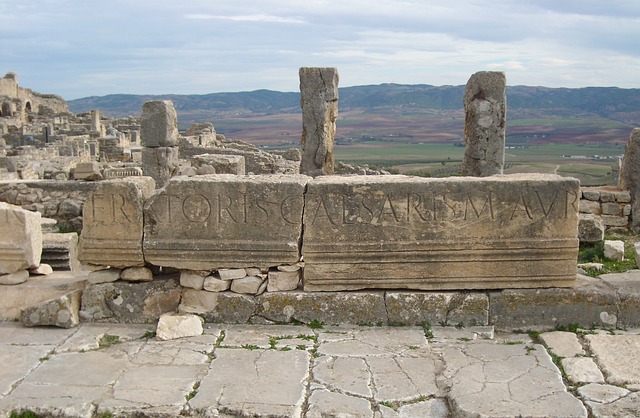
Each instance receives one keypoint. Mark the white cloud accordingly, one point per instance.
(247, 18)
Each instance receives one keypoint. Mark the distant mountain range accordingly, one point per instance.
(398, 112)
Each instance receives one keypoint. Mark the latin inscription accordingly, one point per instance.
(110, 209)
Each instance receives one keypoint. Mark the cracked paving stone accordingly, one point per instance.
(18, 361)
(187, 351)
(88, 336)
(370, 342)
(562, 343)
(345, 374)
(432, 408)
(403, 379)
(595, 392)
(323, 403)
(488, 380)
(628, 406)
(254, 383)
(261, 335)
(617, 356)
(581, 370)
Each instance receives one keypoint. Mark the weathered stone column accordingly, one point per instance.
(159, 137)
(630, 176)
(485, 106)
(319, 102)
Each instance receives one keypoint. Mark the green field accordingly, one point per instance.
(592, 164)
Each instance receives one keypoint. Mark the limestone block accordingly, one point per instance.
(222, 164)
(319, 102)
(159, 124)
(562, 343)
(623, 197)
(160, 163)
(225, 307)
(60, 251)
(230, 221)
(89, 171)
(615, 220)
(131, 303)
(355, 308)
(582, 370)
(589, 302)
(485, 123)
(402, 232)
(113, 223)
(192, 279)
(231, 274)
(627, 286)
(248, 285)
(590, 228)
(136, 274)
(60, 312)
(20, 240)
(103, 276)
(606, 196)
(449, 308)
(592, 195)
(14, 278)
(172, 326)
(279, 281)
(588, 206)
(614, 250)
(604, 394)
(611, 208)
(215, 284)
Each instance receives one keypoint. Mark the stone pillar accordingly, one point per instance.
(485, 106)
(96, 125)
(630, 176)
(159, 137)
(319, 102)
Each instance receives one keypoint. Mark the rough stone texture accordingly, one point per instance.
(89, 171)
(222, 164)
(113, 223)
(60, 251)
(614, 250)
(628, 406)
(590, 302)
(617, 356)
(192, 279)
(231, 222)
(172, 326)
(131, 303)
(136, 274)
(159, 124)
(581, 370)
(160, 164)
(587, 206)
(60, 312)
(215, 284)
(563, 344)
(14, 278)
(627, 287)
(487, 380)
(630, 176)
(434, 234)
(590, 228)
(596, 392)
(225, 307)
(319, 102)
(21, 239)
(103, 276)
(419, 308)
(360, 308)
(485, 105)
(231, 274)
(279, 281)
(249, 285)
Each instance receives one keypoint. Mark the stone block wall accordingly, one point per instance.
(609, 203)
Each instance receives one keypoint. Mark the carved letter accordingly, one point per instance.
(324, 206)
(488, 202)
(525, 208)
(547, 211)
(225, 208)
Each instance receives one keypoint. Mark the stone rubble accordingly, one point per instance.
(297, 371)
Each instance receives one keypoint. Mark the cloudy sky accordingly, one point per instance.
(79, 48)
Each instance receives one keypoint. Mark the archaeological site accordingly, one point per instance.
(130, 221)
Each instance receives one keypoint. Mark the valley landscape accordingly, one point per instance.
(417, 129)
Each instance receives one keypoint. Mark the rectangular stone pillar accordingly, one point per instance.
(159, 137)
(112, 223)
(319, 102)
(398, 232)
(20, 239)
(225, 221)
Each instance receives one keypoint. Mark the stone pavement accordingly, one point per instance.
(108, 370)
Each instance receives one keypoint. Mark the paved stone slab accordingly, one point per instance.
(595, 392)
(324, 403)
(617, 356)
(582, 370)
(336, 341)
(268, 336)
(563, 344)
(628, 406)
(432, 408)
(254, 383)
(488, 379)
(17, 362)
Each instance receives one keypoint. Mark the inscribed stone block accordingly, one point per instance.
(20, 240)
(113, 223)
(399, 232)
(225, 221)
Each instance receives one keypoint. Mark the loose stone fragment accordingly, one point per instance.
(172, 326)
(231, 274)
(103, 276)
(247, 285)
(20, 240)
(214, 284)
(41, 270)
(193, 279)
(485, 107)
(14, 278)
(60, 312)
(590, 228)
(614, 250)
(319, 102)
(279, 281)
(136, 274)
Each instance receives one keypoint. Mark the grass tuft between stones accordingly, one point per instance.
(23, 414)
(108, 340)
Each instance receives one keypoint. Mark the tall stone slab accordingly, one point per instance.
(225, 221)
(113, 223)
(319, 102)
(20, 239)
(159, 124)
(485, 106)
(398, 232)
(630, 176)
(160, 163)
